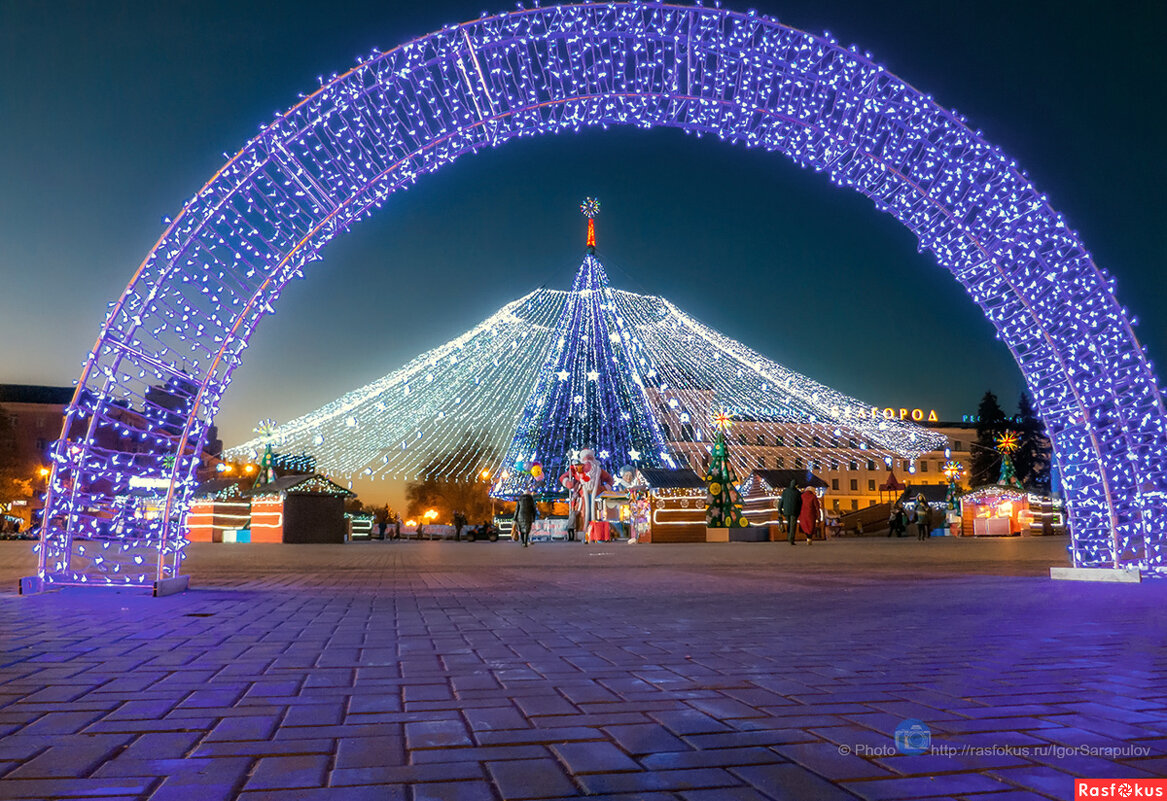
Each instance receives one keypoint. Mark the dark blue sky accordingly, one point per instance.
(114, 113)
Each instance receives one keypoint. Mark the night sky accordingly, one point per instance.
(113, 114)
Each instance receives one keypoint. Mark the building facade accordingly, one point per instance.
(34, 416)
(852, 468)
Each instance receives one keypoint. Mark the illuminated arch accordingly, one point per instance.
(154, 380)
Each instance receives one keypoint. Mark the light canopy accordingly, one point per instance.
(593, 367)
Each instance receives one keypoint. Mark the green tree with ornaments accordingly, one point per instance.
(723, 502)
(1007, 445)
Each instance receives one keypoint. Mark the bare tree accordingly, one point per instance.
(469, 495)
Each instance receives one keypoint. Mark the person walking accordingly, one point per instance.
(808, 514)
(459, 524)
(790, 506)
(897, 521)
(923, 519)
(525, 515)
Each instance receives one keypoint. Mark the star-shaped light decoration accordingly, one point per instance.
(1008, 442)
(953, 470)
(604, 454)
(634, 454)
(563, 375)
(723, 420)
(266, 429)
(593, 375)
(590, 207)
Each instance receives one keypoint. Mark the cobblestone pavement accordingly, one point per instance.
(443, 671)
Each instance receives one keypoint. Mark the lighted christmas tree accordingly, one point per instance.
(1007, 444)
(622, 373)
(266, 430)
(723, 502)
(590, 391)
(952, 471)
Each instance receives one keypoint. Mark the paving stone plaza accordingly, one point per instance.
(435, 671)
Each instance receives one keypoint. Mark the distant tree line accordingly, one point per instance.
(16, 475)
(434, 489)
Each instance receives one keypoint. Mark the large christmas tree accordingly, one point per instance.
(723, 502)
(591, 389)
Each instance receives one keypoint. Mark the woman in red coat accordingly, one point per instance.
(808, 514)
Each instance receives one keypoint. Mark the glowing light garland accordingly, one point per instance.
(557, 371)
(187, 315)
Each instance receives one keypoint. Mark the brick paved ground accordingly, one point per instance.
(442, 671)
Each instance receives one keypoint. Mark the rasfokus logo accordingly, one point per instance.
(1120, 788)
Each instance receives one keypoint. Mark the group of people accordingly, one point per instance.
(393, 522)
(919, 518)
(800, 510)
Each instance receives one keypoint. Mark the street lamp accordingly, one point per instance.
(486, 477)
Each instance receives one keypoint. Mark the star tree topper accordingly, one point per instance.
(723, 420)
(590, 208)
(1008, 442)
(266, 430)
(953, 470)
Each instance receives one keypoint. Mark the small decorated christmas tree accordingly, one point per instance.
(267, 432)
(952, 471)
(723, 502)
(1007, 444)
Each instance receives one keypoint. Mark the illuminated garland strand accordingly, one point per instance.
(187, 315)
(594, 367)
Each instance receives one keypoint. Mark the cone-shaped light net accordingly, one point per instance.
(629, 375)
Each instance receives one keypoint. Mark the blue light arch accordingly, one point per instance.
(154, 380)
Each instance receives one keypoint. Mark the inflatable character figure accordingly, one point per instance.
(637, 487)
(584, 480)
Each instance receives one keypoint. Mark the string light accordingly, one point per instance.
(559, 371)
(154, 380)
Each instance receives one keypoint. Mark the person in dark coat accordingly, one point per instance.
(459, 524)
(897, 523)
(525, 515)
(923, 523)
(790, 506)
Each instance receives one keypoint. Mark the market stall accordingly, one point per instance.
(999, 511)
